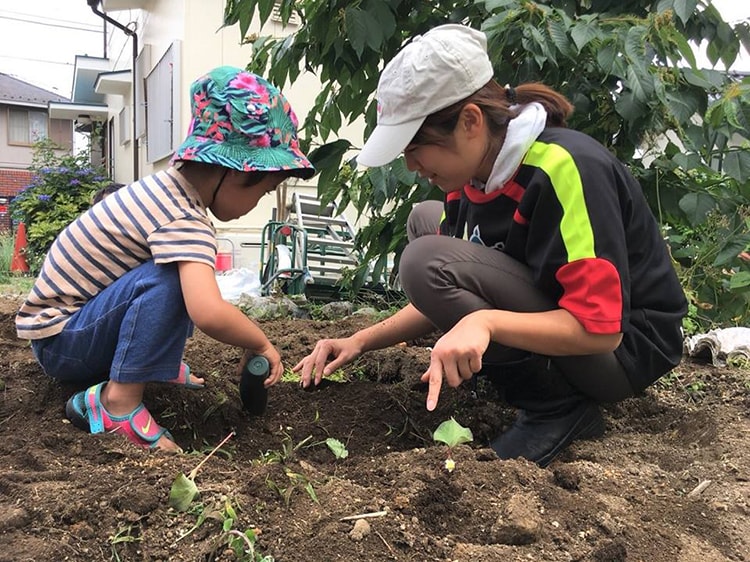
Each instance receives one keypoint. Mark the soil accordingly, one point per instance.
(669, 481)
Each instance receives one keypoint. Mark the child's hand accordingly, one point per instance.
(276, 368)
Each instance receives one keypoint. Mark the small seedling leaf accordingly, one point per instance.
(183, 493)
(452, 433)
(337, 447)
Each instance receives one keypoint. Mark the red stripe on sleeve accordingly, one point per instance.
(592, 293)
(519, 218)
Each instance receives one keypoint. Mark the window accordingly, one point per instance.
(123, 123)
(162, 105)
(142, 67)
(61, 133)
(110, 162)
(26, 126)
(276, 15)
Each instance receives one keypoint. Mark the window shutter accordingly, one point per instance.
(162, 110)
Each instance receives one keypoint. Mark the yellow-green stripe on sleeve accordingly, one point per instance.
(575, 226)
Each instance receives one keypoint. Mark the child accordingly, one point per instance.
(564, 294)
(123, 285)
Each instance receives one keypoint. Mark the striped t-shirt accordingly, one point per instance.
(160, 217)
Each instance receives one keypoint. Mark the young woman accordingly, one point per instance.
(563, 293)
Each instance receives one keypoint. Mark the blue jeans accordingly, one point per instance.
(134, 331)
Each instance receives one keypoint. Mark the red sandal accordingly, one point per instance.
(183, 379)
(85, 411)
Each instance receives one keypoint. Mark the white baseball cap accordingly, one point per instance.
(435, 70)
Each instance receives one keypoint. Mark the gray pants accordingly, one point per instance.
(447, 278)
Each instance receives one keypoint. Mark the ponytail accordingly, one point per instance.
(556, 105)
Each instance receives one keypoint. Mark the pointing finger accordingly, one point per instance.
(435, 377)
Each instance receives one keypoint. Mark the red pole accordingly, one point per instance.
(19, 259)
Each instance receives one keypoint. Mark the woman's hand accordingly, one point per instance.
(341, 351)
(457, 355)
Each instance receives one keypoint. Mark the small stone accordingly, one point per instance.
(360, 530)
(13, 518)
(520, 522)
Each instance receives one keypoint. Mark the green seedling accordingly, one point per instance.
(219, 399)
(337, 448)
(452, 433)
(290, 376)
(339, 375)
(297, 481)
(184, 490)
(242, 544)
(124, 535)
(288, 448)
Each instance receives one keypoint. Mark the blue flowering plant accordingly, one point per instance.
(60, 190)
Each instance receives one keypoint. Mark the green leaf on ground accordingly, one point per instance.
(452, 433)
(337, 447)
(183, 493)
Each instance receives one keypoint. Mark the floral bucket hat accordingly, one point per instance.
(243, 122)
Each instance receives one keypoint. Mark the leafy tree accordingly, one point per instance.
(60, 190)
(629, 69)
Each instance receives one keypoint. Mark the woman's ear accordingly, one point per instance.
(471, 120)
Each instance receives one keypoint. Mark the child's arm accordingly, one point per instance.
(221, 320)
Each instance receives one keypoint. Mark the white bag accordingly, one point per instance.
(237, 282)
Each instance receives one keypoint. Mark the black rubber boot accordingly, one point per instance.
(552, 414)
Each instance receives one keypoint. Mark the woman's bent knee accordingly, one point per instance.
(418, 263)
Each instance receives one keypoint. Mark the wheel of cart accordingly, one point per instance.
(282, 259)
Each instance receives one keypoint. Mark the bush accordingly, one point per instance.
(6, 255)
(61, 189)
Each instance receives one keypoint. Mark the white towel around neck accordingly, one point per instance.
(522, 131)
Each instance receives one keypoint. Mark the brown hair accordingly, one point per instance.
(495, 101)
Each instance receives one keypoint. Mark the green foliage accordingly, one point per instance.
(295, 482)
(18, 285)
(182, 493)
(7, 247)
(627, 66)
(184, 490)
(287, 451)
(706, 216)
(241, 543)
(452, 433)
(690, 384)
(338, 449)
(125, 535)
(60, 190)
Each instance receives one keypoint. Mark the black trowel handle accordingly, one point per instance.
(253, 394)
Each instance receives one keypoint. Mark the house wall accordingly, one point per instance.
(17, 156)
(12, 156)
(11, 182)
(204, 44)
